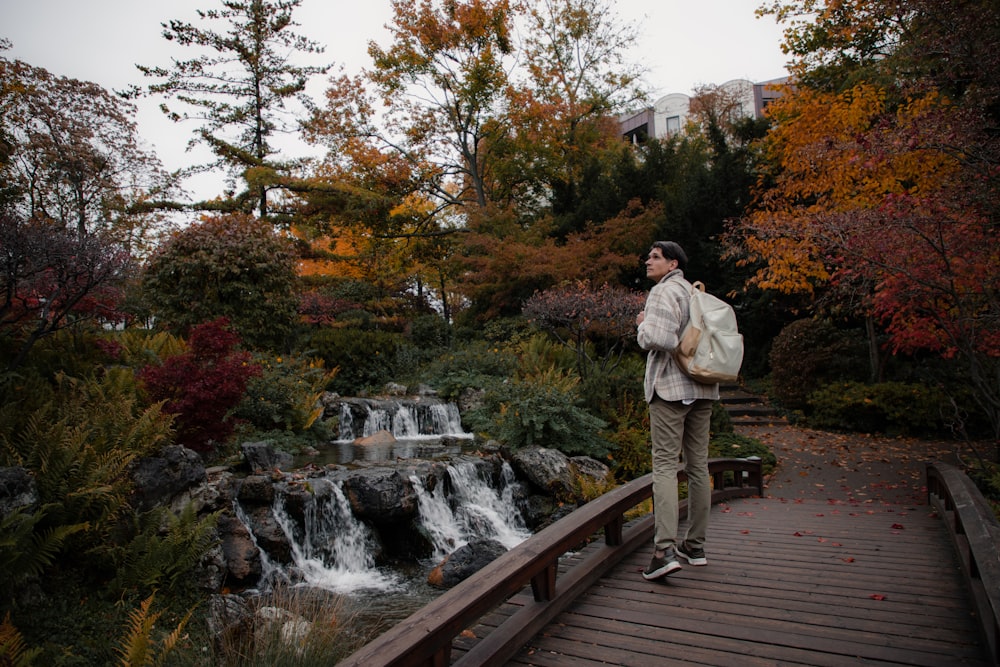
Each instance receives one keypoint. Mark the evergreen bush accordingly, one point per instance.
(895, 408)
(285, 395)
(811, 352)
(364, 360)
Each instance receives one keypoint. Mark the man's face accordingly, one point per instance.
(657, 265)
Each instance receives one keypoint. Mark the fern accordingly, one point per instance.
(26, 550)
(138, 648)
(13, 650)
(164, 549)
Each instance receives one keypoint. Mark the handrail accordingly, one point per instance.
(975, 533)
(425, 637)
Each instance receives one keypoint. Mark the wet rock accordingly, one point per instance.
(536, 510)
(262, 457)
(214, 494)
(464, 562)
(380, 495)
(591, 467)
(395, 389)
(270, 536)
(158, 479)
(18, 490)
(546, 469)
(210, 574)
(229, 620)
(256, 490)
(382, 437)
(243, 566)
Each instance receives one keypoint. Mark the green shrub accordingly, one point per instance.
(721, 421)
(632, 454)
(543, 411)
(475, 365)
(733, 446)
(229, 266)
(811, 352)
(285, 396)
(896, 408)
(364, 359)
(430, 332)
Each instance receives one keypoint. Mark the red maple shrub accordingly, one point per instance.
(203, 384)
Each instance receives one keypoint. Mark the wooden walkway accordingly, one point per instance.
(788, 583)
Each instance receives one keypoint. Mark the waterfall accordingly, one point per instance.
(479, 510)
(332, 549)
(335, 550)
(405, 419)
(486, 512)
(438, 520)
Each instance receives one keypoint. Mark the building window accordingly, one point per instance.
(673, 125)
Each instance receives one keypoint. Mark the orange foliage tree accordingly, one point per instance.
(883, 179)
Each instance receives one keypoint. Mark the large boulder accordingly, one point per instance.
(229, 620)
(464, 562)
(547, 469)
(158, 479)
(380, 495)
(263, 457)
(242, 556)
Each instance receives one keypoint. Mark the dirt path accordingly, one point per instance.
(850, 468)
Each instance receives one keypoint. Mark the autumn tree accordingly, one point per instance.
(242, 91)
(229, 265)
(420, 119)
(72, 155)
(883, 177)
(563, 108)
(52, 278)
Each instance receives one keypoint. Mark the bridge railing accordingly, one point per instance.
(425, 637)
(975, 533)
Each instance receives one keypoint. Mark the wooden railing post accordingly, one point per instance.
(543, 584)
(613, 531)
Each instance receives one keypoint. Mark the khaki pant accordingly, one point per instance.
(678, 429)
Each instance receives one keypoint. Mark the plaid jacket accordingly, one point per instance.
(666, 315)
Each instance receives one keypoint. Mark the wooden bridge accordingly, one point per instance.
(795, 582)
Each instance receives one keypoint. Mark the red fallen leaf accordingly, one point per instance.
(877, 596)
(744, 532)
(838, 544)
(897, 526)
(822, 539)
(819, 515)
(797, 534)
(848, 559)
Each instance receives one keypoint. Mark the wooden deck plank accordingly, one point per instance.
(788, 583)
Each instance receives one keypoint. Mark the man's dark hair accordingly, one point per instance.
(672, 250)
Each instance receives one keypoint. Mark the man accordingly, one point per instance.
(680, 412)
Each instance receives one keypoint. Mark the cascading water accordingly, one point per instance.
(409, 420)
(333, 550)
(419, 428)
(476, 510)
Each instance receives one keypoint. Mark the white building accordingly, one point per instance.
(669, 114)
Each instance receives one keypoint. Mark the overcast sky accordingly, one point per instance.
(683, 43)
